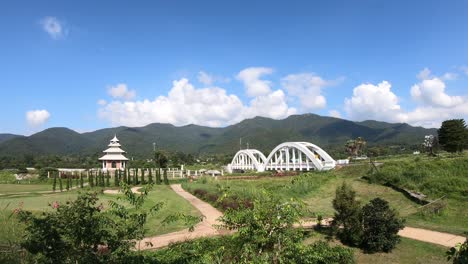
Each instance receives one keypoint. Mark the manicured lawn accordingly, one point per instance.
(408, 251)
(11, 230)
(18, 188)
(173, 204)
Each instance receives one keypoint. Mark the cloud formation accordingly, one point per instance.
(378, 102)
(255, 86)
(375, 102)
(37, 117)
(307, 87)
(431, 92)
(121, 91)
(186, 104)
(53, 27)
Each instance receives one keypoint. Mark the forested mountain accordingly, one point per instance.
(259, 132)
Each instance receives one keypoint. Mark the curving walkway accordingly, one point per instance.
(206, 227)
(202, 229)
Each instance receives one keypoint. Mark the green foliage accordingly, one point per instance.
(380, 227)
(459, 253)
(432, 176)
(44, 172)
(161, 159)
(60, 183)
(453, 135)
(309, 182)
(225, 250)
(158, 176)
(150, 175)
(54, 184)
(81, 180)
(265, 230)
(166, 180)
(107, 179)
(80, 231)
(348, 215)
(7, 176)
(265, 234)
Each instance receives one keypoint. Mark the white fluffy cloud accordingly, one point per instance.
(251, 79)
(186, 104)
(37, 117)
(376, 102)
(432, 92)
(307, 87)
(53, 27)
(121, 91)
(271, 105)
(101, 102)
(380, 103)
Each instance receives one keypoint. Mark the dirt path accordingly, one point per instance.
(134, 190)
(211, 214)
(202, 229)
(444, 239)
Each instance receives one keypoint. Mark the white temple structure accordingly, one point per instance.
(114, 158)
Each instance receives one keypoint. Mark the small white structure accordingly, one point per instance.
(342, 162)
(114, 158)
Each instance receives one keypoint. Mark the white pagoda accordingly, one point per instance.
(114, 158)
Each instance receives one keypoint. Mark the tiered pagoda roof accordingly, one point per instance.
(114, 152)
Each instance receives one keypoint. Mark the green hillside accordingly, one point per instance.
(261, 133)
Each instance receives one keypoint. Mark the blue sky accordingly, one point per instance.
(93, 64)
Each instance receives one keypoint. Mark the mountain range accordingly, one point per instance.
(260, 133)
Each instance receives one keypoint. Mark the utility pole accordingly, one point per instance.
(240, 143)
(247, 145)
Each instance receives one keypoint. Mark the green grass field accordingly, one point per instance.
(19, 188)
(408, 251)
(11, 230)
(317, 190)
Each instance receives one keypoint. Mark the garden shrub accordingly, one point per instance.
(380, 227)
(347, 215)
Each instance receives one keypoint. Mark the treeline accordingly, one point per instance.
(175, 159)
(92, 178)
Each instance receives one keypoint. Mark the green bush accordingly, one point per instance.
(348, 215)
(380, 227)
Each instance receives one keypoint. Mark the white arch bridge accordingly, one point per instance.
(287, 156)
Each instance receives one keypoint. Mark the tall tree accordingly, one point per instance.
(453, 135)
(348, 215)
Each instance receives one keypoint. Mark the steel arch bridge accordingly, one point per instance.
(288, 156)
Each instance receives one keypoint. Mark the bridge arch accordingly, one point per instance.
(299, 156)
(248, 159)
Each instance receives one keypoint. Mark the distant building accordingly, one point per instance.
(114, 158)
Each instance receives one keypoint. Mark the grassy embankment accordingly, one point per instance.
(432, 176)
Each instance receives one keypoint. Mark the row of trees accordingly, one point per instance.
(133, 176)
